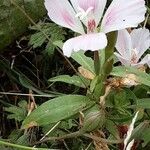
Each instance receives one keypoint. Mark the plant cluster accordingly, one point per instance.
(104, 101)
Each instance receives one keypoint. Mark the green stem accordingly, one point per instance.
(96, 62)
(109, 52)
(107, 65)
(21, 146)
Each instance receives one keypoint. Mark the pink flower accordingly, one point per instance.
(132, 46)
(80, 14)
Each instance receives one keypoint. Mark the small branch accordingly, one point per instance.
(50, 130)
(96, 62)
(146, 21)
(21, 146)
(71, 135)
(77, 134)
(22, 94)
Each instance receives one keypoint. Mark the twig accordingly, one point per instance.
(89, 146)
(50, 130)
(22, 94)
(21, 146)
(77, 134)
(71, 135)
(146, 19)
(66, 146)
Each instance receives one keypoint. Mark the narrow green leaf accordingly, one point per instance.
(57, 109)
(30, 85)
(138, 131)
(83, 60)
(143, 103)
(75, 80)
(37, 39)
(58, 43)
(121, 119)
(145, 136)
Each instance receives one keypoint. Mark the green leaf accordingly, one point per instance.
(93, 120)
(75, 80)
(120, 119)
(120, 99)
(37, 39)
(123, 71)
(112, 128)
(145, 136)
(13, 22)
(57, 109)
(138, 131)
(17, 113)
(53, 32)
(58, 43)
(30, 85)
(50, 48)
(83, 60)
(15, 134)
(143, 103)
(24, 139)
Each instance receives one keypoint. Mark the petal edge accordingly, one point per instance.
(93, 42)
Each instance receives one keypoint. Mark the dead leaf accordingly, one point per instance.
(86, 73)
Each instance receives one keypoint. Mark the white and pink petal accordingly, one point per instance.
(122, 14)
(140, 40)
(124, 61)
(92, 42)
(145, 60)
(62, 13)
(124, 44)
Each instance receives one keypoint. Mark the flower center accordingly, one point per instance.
(82, 13)
(134, 56)
(91, 25)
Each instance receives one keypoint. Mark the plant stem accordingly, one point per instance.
(21, 146)
(106, 68)
(96, 62)
(109, 52)
(71, 135)
(77, 134)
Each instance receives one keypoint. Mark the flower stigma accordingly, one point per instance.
(82, 14)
